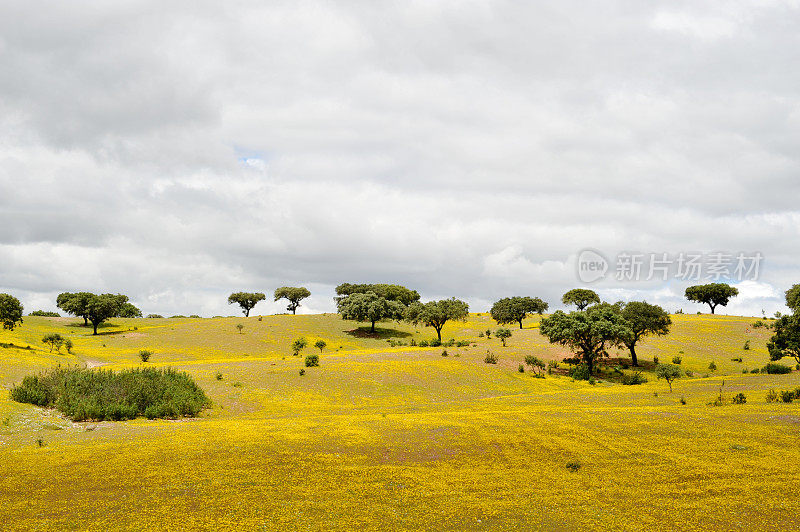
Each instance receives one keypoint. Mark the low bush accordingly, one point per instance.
(435, 343)
(787, 396)
(773, 368)
(444, 352)
(677, 360)
(157, 316)
(579, 373)
(746, 345)
(521, 368)
(755, 370)
(772, 396)
(312, 360)
(573, 465)
(45, 314)
(423, 343)
(712, 366)
(145, 355)
(739, 399)
(736, 359)
(83, 394)
(633, 379)
(490, 358)
(462, 343)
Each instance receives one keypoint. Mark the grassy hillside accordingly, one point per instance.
(383, 437)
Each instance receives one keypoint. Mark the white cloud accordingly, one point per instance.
(180, 151)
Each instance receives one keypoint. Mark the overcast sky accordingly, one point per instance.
(179, 151)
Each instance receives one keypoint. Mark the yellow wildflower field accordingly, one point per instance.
(383, 437)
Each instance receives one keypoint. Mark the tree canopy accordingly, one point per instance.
(389, 292)
(712, 294)
(515, 309)
(246, 300)
(793, 298)
(436, 313)
(129, 310)
(75, 304)
(293, 294)
(580, 297)
(588, 333)
(10, 311)
(644, 319)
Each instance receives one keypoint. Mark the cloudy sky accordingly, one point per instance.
(179, 151)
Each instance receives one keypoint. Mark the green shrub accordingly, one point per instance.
(774, 368)
(633, 379)
(158, 316)
(298, 345)
(677, 360)
(772, 396)
(655, 360)
(712, 366)
(521, 368)
(312, 360)
(579, 373)
(145, 355)
(755, 370)
(573, 465)
(218, 376)
(435, 343)
(54, 340)
(746, 345)
(736, 359)
(739, 399)
(444, 352)
(423, 343)
(302, 371)
(683, 400)
(787, 396)
(83, 394)
(44, 314)
(462, 343)
(490, 358)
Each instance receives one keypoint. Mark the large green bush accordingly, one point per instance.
(84, 394)
(776, 368)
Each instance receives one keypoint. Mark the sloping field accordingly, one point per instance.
(402, 438)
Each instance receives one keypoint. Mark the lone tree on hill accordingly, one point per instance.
(100, 308)
(10, 311)
(515, 309)
(293, 294)
(246, 300)
(320, 344)
(644, 319)
(669, 373)
(580, 297)
(436, 313)
(373, 302)
(589, 333)
(503, 334)
(75, 304)
(712, 294)
(54, 340)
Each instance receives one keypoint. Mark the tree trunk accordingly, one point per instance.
(373, 326)
(95, 327)
(634, 360)
(85, 321)
(247, 313)
(294, 310)
(590, 365)
(520, 324)
(712, 308)
(439, 332)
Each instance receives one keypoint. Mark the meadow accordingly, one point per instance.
(402, 438)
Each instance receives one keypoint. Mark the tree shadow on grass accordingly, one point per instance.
(15, 346)
(379, 334)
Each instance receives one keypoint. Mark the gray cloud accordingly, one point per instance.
(177, 152)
